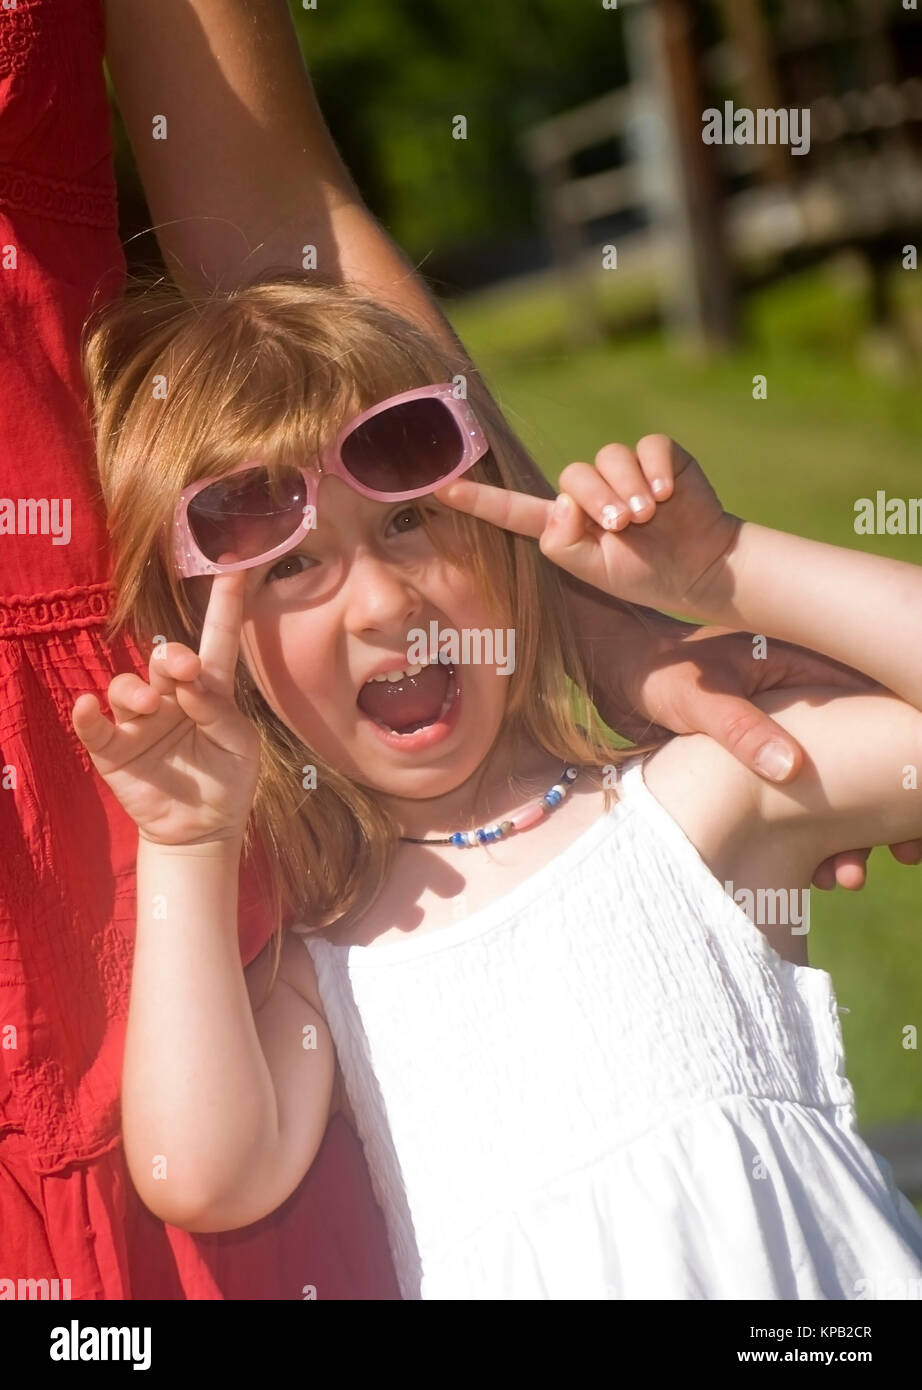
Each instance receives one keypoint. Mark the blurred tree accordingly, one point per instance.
(391, 78)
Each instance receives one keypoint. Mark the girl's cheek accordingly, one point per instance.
(285, 668)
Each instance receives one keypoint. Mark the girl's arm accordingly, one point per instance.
(864, 610)
(223, 1108)
(225, 1097)
(863, 770)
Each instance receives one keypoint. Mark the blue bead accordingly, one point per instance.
(553, 798)
(457, 838)
(481, 836)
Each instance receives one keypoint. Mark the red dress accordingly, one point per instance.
(67, 851)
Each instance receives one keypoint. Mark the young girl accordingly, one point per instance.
(581, 1067)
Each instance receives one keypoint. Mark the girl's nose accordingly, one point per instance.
(380, 595)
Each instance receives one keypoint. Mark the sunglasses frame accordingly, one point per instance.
(189, 559)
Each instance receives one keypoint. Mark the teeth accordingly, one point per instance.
(398, 675)
(446, 706)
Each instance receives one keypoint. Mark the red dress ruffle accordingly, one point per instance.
(68, 1210)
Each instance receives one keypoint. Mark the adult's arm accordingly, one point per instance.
(248, 173)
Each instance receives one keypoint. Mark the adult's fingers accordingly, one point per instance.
(514, 511)
(745, 731)
(907, 851)
(787, 664)
(847, 869)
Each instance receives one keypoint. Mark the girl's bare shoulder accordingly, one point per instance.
(710, 795)
(854, 789)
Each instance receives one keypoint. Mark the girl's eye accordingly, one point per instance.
(409, 518)
(289, 567)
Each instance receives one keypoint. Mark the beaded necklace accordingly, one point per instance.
(530, 814)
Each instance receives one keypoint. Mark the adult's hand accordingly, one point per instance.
(688, 679)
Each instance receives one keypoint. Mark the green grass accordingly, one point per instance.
(830, 431)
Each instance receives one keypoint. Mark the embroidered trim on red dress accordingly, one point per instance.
(22, 27)
(87, 605)
(24, 191)
(32, 37)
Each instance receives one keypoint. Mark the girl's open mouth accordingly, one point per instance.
(415, 711)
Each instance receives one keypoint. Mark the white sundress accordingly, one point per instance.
(607, 1084)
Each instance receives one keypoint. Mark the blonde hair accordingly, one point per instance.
(183, 389)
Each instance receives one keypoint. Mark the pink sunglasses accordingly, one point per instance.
(403, 447)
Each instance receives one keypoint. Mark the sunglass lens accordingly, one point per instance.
(408, 446)
(248, 513)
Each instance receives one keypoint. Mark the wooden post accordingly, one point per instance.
(567, 245)
(689, 199)
(748, 32)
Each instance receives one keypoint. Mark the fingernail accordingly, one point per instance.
(658, 486)
(637, 504)
(561, 508)
(610, 515)
(774, 760)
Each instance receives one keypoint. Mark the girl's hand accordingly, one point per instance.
(181, 757)
(610, 528)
